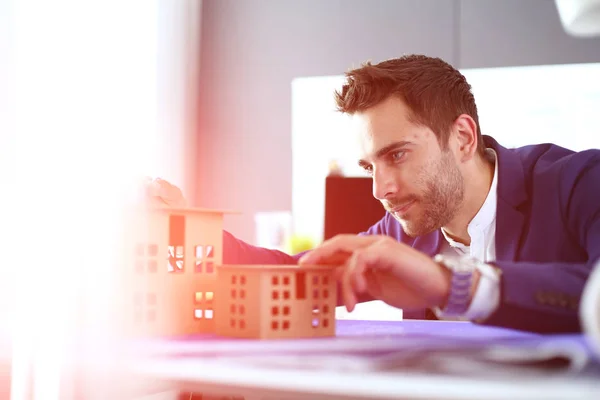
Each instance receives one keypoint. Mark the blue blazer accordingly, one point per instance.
(547, 235)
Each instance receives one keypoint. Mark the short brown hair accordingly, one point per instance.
(434, 91)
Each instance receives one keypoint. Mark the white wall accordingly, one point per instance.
(539, 104)
(319, 135)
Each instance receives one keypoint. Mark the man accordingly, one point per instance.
(473, 230)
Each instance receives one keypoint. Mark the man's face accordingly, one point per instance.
(416, 181)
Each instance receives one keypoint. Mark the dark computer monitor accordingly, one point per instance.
(349, 205)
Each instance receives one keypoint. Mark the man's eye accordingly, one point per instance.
(368, 169)
(397, 155)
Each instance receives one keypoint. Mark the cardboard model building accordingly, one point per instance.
(175, 284)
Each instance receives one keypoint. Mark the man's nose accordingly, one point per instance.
(384, 184)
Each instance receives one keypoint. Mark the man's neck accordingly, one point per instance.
(476, 191)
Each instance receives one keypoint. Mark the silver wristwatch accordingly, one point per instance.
(460, 288)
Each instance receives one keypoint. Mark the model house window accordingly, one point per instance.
(144, 308)
(176, 250)
(319, 296)
(315, 316)
(175, 259)
(281, 289)
(237, 298)
(205, 261)
(204, 305)
(146, 258)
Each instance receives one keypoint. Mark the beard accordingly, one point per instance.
(438, 204)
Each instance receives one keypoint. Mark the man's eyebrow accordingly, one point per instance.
(384, 150)
(390, 147)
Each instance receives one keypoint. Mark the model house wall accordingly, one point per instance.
(169, 284)
(278, 301)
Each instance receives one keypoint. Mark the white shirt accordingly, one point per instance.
(482, 230)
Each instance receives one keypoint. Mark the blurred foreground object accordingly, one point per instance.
(580, 17)
(335, 169)
(590, 310)
(299, 243)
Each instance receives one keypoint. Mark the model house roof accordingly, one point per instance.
(172, 210)
(278, 268)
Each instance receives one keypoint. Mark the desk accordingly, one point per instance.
(371, 359)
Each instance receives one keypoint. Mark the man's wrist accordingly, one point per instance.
(483, 297)
(463, 280)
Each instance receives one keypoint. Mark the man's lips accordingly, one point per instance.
(402, 208)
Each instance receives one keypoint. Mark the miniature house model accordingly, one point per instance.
(175, 284)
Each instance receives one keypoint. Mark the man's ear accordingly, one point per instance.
(464, 133)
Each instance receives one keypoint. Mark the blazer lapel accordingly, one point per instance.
(511, 194)
(509, 227)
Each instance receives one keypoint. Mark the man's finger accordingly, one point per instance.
(339, 273)
(335, 258)
(353, 281)
(163, 192)
(360, 269)
(336, 249)
(347, 290)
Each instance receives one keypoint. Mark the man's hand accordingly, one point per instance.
(385, 269)
(159, 192)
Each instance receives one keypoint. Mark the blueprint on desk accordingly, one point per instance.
(447, 348)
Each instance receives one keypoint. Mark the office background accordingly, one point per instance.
(252, 50)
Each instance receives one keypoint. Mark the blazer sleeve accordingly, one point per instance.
(236, 251)
(553, 306)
